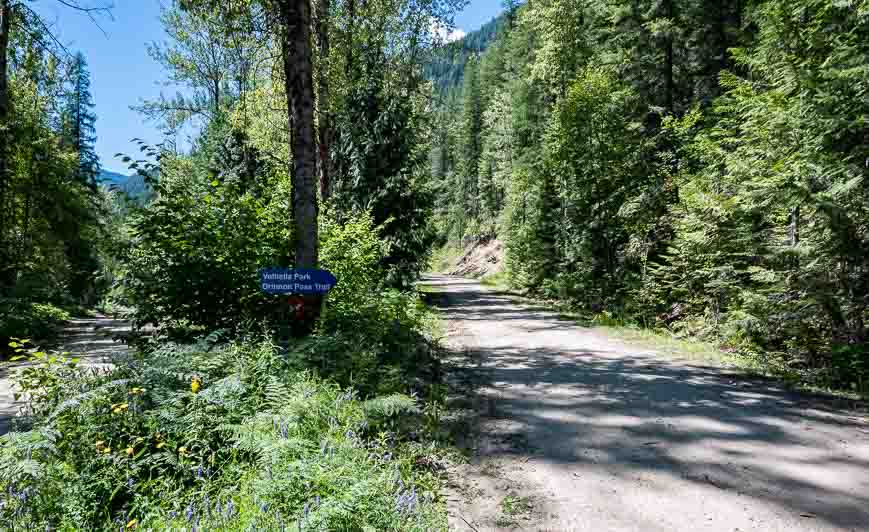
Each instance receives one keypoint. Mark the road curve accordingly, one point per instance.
(90, 339)
(601, 435)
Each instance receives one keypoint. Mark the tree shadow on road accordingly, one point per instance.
(626, 413)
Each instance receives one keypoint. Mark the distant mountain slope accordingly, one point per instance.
(133, 185)
(108, 177)
(447, 64)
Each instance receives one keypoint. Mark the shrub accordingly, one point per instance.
(370, 338)
(216, 436)
(19, 319)
(197, 248)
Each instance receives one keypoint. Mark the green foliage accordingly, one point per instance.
(222, 436)
(371, 338)
(79, 123)
(579, 226)
(768, 245)
(19, 319)
(45, 380)
(446, 66)
(193, 267)
(377, 164)
(49, 206)
(708, 180)
(196, 249)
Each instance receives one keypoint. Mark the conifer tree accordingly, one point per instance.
(80, 123)
(472, 124)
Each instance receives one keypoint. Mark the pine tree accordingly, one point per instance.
(470, 149)
(80, 123)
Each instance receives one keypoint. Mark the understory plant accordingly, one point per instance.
(218, 437)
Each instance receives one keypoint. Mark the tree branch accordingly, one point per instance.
(91, 11)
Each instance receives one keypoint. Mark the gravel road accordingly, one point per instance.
(582, 432)
(90, 339)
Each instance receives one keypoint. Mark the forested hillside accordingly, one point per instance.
(695, 166)
(446, 67)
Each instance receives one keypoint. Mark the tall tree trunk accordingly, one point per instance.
(298, 74)
(5, 14)
(324, 119)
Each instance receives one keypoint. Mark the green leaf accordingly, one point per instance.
(215, 183)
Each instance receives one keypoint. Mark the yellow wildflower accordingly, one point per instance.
(130, 451)
(161, 444)
(120, 407)
(132, 524)
(182, 451)
(195, 385)
(137, 391)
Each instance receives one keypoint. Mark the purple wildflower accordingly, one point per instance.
(190, 511)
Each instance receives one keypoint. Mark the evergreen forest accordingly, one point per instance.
(695, 169)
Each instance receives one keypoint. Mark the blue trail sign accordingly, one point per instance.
(299, 281)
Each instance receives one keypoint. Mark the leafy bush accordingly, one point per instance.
(370, 338)
(214, 436)
(197, 247)
(20, 319)
(195, 264)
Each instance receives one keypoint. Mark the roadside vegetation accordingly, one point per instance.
(234, 410)
(694, 168)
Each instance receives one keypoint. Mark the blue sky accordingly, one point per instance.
(122, 73)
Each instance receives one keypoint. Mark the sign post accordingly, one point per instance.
(305, 288)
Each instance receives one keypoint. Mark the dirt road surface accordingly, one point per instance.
(578, 431)
(90, 339)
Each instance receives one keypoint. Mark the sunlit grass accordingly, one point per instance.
(496, 280)
(444, 259)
